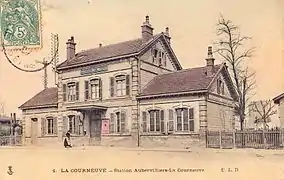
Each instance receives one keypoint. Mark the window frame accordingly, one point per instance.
(185, 119)
(73, 124)
(71, 96)
(96, 83)
(122, 79)
(119, 122)
(220, 87)
(48, 119)
(155, 117)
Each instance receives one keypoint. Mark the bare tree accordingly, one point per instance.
(231, 47)
(264, 110)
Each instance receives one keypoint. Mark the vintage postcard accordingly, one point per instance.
(108, 89)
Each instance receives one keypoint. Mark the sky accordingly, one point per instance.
(192, 27)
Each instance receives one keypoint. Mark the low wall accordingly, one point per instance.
(172, 141)
(146, 141)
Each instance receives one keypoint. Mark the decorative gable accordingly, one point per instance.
(221, 85)
(157, 54)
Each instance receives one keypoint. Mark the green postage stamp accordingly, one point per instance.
(21, 24)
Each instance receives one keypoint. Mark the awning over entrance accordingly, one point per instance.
(85, 107)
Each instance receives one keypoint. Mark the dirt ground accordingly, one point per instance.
(91, 163)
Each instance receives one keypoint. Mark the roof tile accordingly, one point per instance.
(46, 97)
(108, 51)
(186, 80)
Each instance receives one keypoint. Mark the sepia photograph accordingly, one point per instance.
(124, 89)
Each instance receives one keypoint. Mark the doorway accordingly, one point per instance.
(34, 131)
(95, 127)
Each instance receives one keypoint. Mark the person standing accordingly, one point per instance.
(67, 141)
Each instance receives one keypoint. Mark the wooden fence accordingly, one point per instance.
(272, 139)
(10, 140)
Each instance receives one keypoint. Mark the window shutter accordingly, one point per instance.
(158, 121)
(191, 119)
(191, 125)
(111, 86)
(77, 90)
(111, 126)
(127, 85)
(190, 113)
(144, 121)
(86, 89)
(65, 125)
(100, 89)
(64, 88)
(122, 122)
(171, 121)
(55, 125)
(43, 126)
(77, 125)
(162, 121)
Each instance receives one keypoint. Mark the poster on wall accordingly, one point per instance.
(105, 126)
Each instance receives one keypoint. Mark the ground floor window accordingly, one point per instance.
(153, 121)
(179, 120)
(184, 119)
(117, 122)
(49, 125)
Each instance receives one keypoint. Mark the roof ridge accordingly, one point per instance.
(188, 69)
(104, 46)
(117, 43)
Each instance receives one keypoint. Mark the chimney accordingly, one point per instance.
(147, 30)
(71, 48)
(210, 62)
(167, 34)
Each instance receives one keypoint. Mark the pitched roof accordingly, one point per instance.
(108, 51)
(278, 98)
(47, 97)
(193, 79)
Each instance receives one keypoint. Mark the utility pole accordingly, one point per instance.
(45, 63)
(54, 55)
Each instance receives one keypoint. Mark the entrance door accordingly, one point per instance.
(34, 131)
(95, 128)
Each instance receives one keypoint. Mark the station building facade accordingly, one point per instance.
(131, 93)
